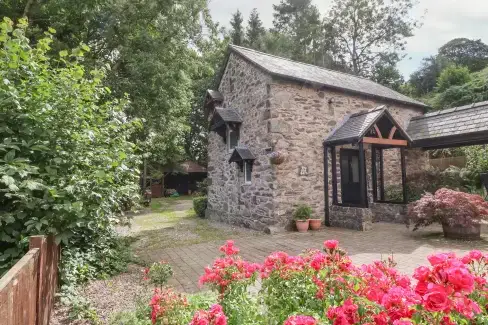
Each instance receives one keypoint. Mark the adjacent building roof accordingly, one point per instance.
(241, 153)
(228, 115)
(354, 127)
(215, 95)
(452, 127)
(289, 69)
(185, 167)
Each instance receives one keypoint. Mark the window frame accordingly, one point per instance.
(229, 130)
(247, 163)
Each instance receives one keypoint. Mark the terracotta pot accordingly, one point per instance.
(302, 225)
(457, 232)
(315, 224)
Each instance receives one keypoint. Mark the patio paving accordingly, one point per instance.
(410, 249)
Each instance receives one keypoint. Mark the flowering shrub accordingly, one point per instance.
(449, 207)
(324, 287)
(158, 273)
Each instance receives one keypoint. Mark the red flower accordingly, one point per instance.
(300, 320)
(461, 279)
(436, 298)
(214, 316)
(421, 273)
(331, 244)
(402, 322)
(229, 249)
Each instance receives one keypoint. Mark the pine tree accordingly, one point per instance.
(255, 31)
(237, 33)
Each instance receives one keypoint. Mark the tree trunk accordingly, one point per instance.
(27, 8)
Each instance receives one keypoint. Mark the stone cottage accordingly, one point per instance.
(272, 122)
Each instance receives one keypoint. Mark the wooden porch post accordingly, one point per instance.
(404, 175)
(382, 176)
(374, 174)
(326, 186)
(362, 176)
(334, 175)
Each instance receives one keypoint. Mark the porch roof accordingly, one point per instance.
(354, 127)
(453, 127)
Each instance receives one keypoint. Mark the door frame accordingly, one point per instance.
(356, 152)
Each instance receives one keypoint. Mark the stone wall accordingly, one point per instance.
(301, 117)
(245, 89)
(351, 218)
(387, 212)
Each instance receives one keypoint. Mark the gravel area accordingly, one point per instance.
(154, 230)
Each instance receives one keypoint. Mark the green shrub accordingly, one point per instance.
(200, 205)
(453, 75)
(303, 212)
(67, 164)
(159, 273)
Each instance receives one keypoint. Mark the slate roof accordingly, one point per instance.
(354, 126)
(289, 69)
(241, 153)
(215, 95)
(228, 115)
(458, 122)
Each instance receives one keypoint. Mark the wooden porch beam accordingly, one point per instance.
(388, 142)
(378, 132)
(334, 175)
(392, 132)
(326, 186)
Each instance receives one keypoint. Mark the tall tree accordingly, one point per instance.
(465, 52)
(300, 21)
(255, 30)
(364, 31)
(237, 33)
(424, 80)
(149, 46)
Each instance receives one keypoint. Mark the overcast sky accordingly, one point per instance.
(443, 21)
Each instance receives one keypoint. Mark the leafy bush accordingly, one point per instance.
(449, 207)
(202, 187)
(67, 164)
(453, 75)
(200, 205)
(324, 287)
(302, 212)
(159, 273)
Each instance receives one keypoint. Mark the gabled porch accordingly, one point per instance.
(359, 143)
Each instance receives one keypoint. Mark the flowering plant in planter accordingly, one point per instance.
(448, 207)
(276, 157)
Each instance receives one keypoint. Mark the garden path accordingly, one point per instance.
(409, 249)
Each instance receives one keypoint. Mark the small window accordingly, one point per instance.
(232, 138)
(248, 172)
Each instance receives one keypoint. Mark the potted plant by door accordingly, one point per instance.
(315, 224)
(302, 215)
(460, 214)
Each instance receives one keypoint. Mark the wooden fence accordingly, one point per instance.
(27, 290)
(445, 163)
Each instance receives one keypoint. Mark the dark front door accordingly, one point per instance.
(351, 191)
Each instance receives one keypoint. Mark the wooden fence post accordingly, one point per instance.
(40, 243)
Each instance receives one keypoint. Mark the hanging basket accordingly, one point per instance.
(277, 157)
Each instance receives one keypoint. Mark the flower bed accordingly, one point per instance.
(324, 287)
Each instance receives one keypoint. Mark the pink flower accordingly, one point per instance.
(229, 249)
(331, 244)
(421, 273)
(300, 320)
(461, 279)
(402, 322)
(436, 298)
(438, 258)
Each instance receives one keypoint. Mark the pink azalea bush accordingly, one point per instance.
(324, 287)
(449, 207)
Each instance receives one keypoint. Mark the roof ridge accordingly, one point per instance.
(379, 90)
(451, 110)
(311, 65)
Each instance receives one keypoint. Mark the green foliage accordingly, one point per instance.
(302, 212)
(477, 159)
(424, 80)
(255, 31)
(68, 167)
(159, 274)
(453, 75)
(200, 205)
(476, 90)
(365, 31)
(237, 32)
(472, 54)
(129, 318)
